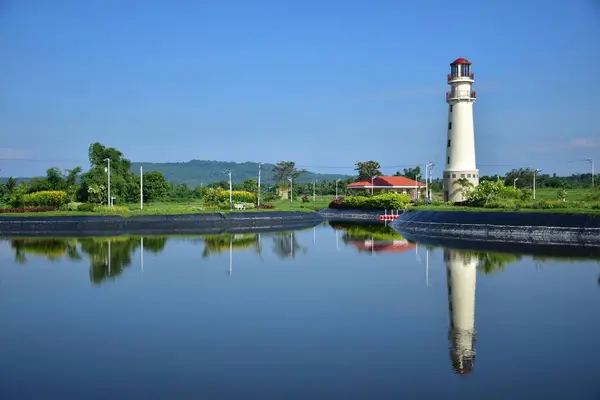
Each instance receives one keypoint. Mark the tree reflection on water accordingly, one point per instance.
(110, 256)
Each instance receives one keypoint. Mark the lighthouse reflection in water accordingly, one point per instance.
(461, 275)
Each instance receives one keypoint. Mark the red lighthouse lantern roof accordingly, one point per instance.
(461, 61)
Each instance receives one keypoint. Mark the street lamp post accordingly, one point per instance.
(230, 190)
(258, 190)
(314, 192)
(291, 179)
(515, 182)
(591, 161)
(372, 184)
(428, 166)
(417, 176)
(141, 188)
(535, 172)
(108, 172)
(336, 188)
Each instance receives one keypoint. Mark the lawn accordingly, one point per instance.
(189, 207)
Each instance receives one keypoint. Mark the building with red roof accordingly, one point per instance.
(390, 184)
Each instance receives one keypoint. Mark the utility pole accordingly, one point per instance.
(591, 161)
(108, 172)
(141, 187)
(535, 172)
(291, 189)
(258, 190)
(230, 190)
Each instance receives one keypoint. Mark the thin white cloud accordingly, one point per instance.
(583, 143)
(10, 153)
(576, 143)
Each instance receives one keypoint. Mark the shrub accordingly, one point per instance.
(390, 201)
(240, 196)
(27, 209)
(266, 206)
(212, 197)
(111, 210)
(72, 206)
(54, 198)
(305, 198)
(337, 203)
(86, 207)
(492, 190)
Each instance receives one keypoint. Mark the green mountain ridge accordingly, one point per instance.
(203, 172)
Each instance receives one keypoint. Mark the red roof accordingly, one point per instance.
(461, 61)
(392, 181)
(381, 247)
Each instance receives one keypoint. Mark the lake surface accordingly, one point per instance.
(334, 312)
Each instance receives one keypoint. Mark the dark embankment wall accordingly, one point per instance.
(541, 250)
(146, 224)
(351, 215)
(528, 227)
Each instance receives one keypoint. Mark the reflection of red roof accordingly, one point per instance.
(387, 181)
(461, 61)
(387, 246)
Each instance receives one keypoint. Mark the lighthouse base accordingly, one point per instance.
(457, 183)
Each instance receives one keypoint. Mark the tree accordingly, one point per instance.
(524, 177)
(285, 169)
(155, 186)
(124, 185)
(250, 185)
(367, 169)
(410, 173)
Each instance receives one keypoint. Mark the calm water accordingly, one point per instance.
(345, 313)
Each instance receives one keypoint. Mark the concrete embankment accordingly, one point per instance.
(524, 227)
(154, 224)
(371, 216)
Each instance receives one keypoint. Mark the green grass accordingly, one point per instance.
(190, 207)
(565, 210)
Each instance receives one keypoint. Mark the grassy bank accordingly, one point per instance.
(566, 210)
(169, 208)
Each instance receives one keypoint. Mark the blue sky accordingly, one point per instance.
(322, 83)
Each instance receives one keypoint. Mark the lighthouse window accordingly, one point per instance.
(449, 142)
(450, 107)
(454, 175)
(468, 175)
(462, 175)
(448, 160)
(449, 125)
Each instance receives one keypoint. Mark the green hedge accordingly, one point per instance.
(389, 201)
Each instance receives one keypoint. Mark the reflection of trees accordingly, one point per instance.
(216, 244)
(102, 266)
(53, 249)
(489, 262)
(285, 245)
(108, 257)
(366, 232)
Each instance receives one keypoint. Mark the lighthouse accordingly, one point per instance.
(461, 273)
(460, 143)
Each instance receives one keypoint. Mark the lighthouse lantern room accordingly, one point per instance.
(461, 170)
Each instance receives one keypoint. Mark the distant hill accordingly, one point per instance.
(196, 172)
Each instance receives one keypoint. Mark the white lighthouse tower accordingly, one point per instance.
(460, 144)
(461, 274)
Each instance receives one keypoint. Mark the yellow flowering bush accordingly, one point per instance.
(240, 196)
(54, 198)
